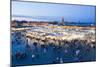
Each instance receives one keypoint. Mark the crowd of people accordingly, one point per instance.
(48, 53)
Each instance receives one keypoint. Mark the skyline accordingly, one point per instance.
(73, 13)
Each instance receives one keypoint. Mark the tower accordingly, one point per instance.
(62, 21)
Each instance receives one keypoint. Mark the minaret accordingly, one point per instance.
(62, 21)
